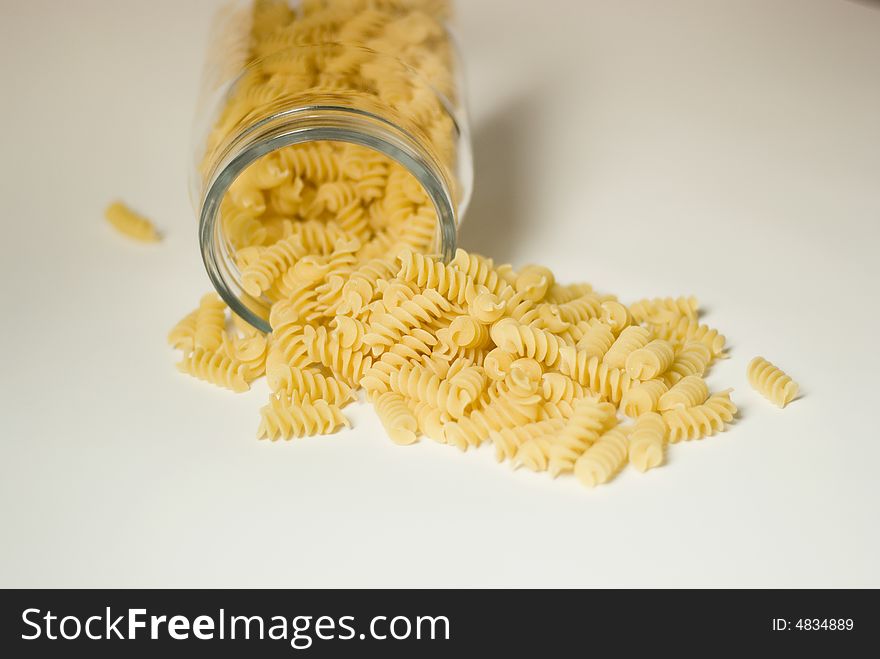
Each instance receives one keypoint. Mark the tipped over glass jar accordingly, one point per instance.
(329, 133)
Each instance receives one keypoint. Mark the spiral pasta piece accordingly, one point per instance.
(481, 271)
(616, 316)
(628, 341)
(556, 387)
(643, 398)
(524, 377)
(589, 421)
(430, 421)
(596, 340)
(293, 418)
(131, 224)
(527, 341)
(690, 391)
(652, 360)
(182, 335)
(647, 442)
(210, 323)
(533, 282)
(502, 413)
(271, 264)
(700, 421)
(397, 419)
(661, 311)
(346, 364)
(310, 384)
(468, 332)
(609, 383)
(599, 463)
(508, 440)
(216, 368)
(424, 271)
(771, 382)
(692, 359)
(688, 329)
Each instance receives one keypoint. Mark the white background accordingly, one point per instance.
(729, 149)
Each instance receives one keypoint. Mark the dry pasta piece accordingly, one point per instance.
(691, 359)
(690, 391)
(250, 351)
(527, 341)
(426, 272)
(533, 282)
(643, 398)
(430, 421)
(216, 368)
(599, 463)
(630, 339)
(609, 383)
(524, 377)
(486, 308)
(771, 382)
(210, 323)
(589, 421)
(556, 388)
(502, 413)
(660, 311)
(652, 360)
(398, 420)
(131, 224)
(497, 363)
(308, 384)
(700, 421)
(647, 442)
(596, 339)
(271, 264)
(616, 316)
(689, 329)
(508, 441)
(481, 270)
(182, 335)
(284, 418)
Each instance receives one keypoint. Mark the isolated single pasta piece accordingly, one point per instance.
(771, 382)
(131, 224)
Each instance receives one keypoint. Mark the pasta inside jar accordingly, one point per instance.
(339, 139)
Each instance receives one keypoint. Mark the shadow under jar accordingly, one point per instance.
(329, 133)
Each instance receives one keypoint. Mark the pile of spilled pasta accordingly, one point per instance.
(463, 353)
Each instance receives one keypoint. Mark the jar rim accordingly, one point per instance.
(311, 123)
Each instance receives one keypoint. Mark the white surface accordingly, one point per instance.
(726, 148)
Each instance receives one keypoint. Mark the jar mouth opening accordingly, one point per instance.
(316, 123)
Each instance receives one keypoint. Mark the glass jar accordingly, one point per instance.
(302, 103)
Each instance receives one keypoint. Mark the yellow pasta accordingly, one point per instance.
(338, 242)
(216, 368)
(652, 360)
(632, 338)
(210, 323)
(771, 382)
(647, 442)
(690, 391)
(693, 358)
(700, 421)
(398, 420)
(293, 418)
(527, 341)
(661, 311)
(643, 398)
(130, 224)
(589, 421)
(599, 463)
(508, 440)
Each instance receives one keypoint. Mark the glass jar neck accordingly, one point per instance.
(315, 122)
